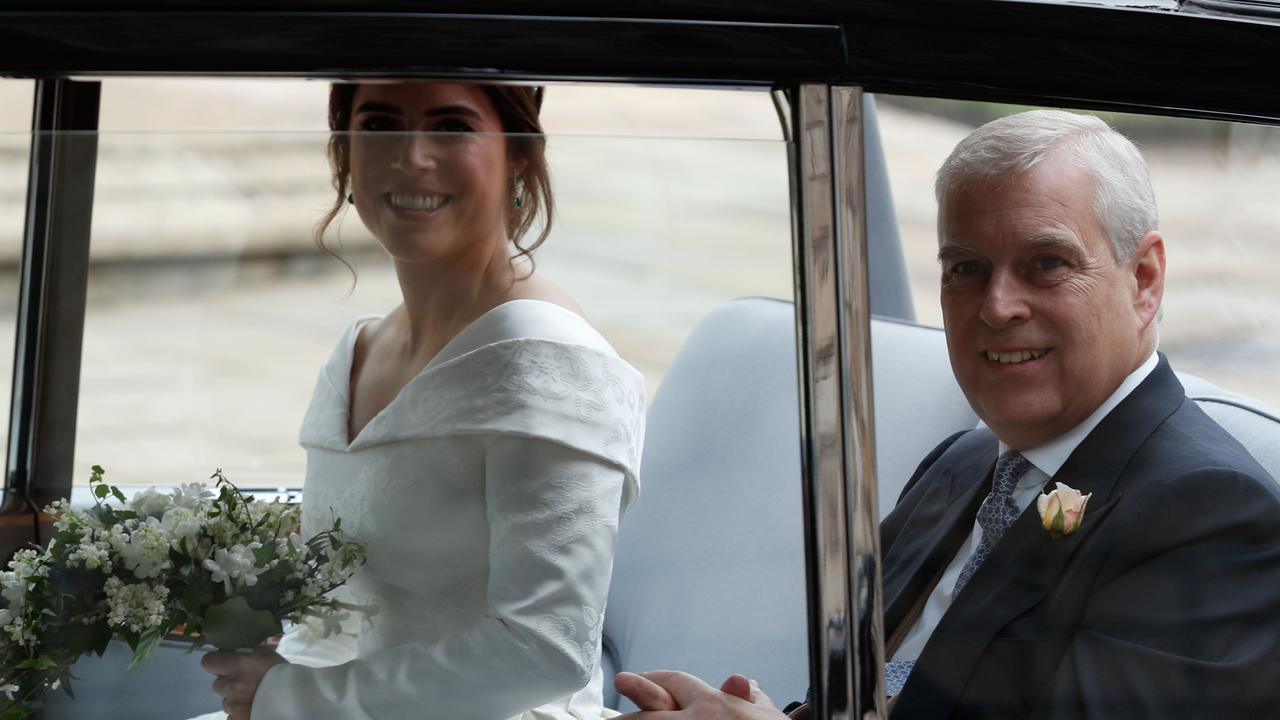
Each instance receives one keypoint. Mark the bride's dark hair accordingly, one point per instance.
(518, 107)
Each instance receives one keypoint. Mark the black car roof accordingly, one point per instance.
(1209, 58)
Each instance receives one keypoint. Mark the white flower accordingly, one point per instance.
(333, 622)
(12, 619)
(322, 623)
(275, 516)
(1062, 509)
(327, 620)
(22, 635)
(138, 607)
(192, 496)
(28, 563)
(225, 531)
(150, 502)
(180, 523)
(234, 564)
(68, 519)
(145, 551)
(93, 555)
(9, 690)
(14, 590)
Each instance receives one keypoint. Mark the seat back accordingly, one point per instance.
(170, 684)
(1254, 424)
(709, 572)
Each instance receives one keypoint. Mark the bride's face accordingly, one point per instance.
(430, 171)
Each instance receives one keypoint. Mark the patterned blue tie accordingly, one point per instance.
(997, 513)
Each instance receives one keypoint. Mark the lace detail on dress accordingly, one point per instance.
(578, 639)
(627, 425)
(569, 510)
(325, 422)
(518, 385)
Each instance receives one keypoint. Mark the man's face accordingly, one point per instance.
(1042, 322)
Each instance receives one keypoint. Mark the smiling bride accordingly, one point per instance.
(481, 437)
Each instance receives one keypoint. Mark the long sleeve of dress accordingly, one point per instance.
(553, 515)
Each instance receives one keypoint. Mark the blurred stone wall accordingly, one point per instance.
(210, 308)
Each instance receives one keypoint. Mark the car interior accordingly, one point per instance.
(705, 577)
(724, 564)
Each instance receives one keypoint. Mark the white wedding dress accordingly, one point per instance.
(489, 492)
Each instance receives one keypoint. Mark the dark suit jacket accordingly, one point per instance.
(1165, 603)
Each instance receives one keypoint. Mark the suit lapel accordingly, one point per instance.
(1028, 560)
(938, 524)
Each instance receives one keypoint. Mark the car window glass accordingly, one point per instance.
(1041, 317)
(1213, 183)
(210, 308)
(211, 314)
(15, 149)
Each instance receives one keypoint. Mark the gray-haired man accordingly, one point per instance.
(1164, 600)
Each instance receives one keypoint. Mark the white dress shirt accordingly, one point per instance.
(1045, 460)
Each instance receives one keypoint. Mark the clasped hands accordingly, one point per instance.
(671, 695)
(237, 676)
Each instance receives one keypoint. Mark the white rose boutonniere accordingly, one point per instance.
(1062, 509)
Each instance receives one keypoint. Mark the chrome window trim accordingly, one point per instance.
(833, 323)
(854, 297)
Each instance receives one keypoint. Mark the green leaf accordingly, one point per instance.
(43, 662)
(64, 683)
(146, 644)
(198, 594)
(1059, 522)
(101, 638)
(70, 640)
(119, 495)
(233, 625)
(15, 711)
(101, 491)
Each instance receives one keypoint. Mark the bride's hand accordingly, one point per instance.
(238, 676)
(671, 694)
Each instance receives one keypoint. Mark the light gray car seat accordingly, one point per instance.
(709, 572)
(724, 479)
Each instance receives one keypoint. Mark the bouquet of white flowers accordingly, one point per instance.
(224, 569)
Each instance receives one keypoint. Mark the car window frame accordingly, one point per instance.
(818, 59)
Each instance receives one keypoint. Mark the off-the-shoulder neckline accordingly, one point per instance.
(468, 340)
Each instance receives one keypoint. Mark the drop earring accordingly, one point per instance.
(351, 198)
(517, 200)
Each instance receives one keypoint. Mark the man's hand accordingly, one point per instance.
(237, 677)
(671, 695)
